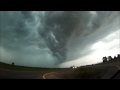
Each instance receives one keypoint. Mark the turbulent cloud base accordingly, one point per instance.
(49, 38)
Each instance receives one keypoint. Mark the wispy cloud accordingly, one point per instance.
(48, 38)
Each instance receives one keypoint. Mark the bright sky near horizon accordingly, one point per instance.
(58, 38)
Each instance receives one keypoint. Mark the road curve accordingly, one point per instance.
(51, 75)
(10, 74)
(54, 74)
(57, 74)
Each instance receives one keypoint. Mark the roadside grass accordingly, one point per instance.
(23, 68)
(84, 73)
(95, 71)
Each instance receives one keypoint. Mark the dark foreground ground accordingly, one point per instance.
(20, 72)
(50, 74)
(109, 70)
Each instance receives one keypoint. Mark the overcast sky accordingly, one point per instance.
(58, 38)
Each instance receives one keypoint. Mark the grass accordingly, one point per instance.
(91, 71)
(23, 68)
(84, 73)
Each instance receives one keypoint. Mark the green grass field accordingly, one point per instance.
(23, 68)
(83, 72)
(92, 71)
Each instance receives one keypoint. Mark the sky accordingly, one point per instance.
(58, 38)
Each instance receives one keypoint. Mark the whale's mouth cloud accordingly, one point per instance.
(49, 38)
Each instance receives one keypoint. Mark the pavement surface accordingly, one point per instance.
(110, 71)
(10, 74)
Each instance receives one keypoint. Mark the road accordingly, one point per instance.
(110, 71)
(57, 74)
(52, 75)
(117, 74)
(9, 74)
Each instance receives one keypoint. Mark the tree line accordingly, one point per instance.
(109, 58)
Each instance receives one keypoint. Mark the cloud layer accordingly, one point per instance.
(48, 38)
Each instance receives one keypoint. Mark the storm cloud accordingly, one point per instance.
(49, 38)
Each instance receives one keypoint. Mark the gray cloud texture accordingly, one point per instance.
(47, 38)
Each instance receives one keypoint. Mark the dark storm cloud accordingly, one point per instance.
(20, 41)
(60, 25)
(102, 24)
(51, 37)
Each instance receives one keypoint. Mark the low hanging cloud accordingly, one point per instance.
(107, 46)
(49, 38)
(79, 46)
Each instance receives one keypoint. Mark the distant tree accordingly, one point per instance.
(118, 56)
(72, 66)
(115, 57)
(104, 59)
(12, 63)
(110, 58)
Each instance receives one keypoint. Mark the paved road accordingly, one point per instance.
(110, 71)
(117, 76)
(53, 74)
(57, 74)
(9, 74)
